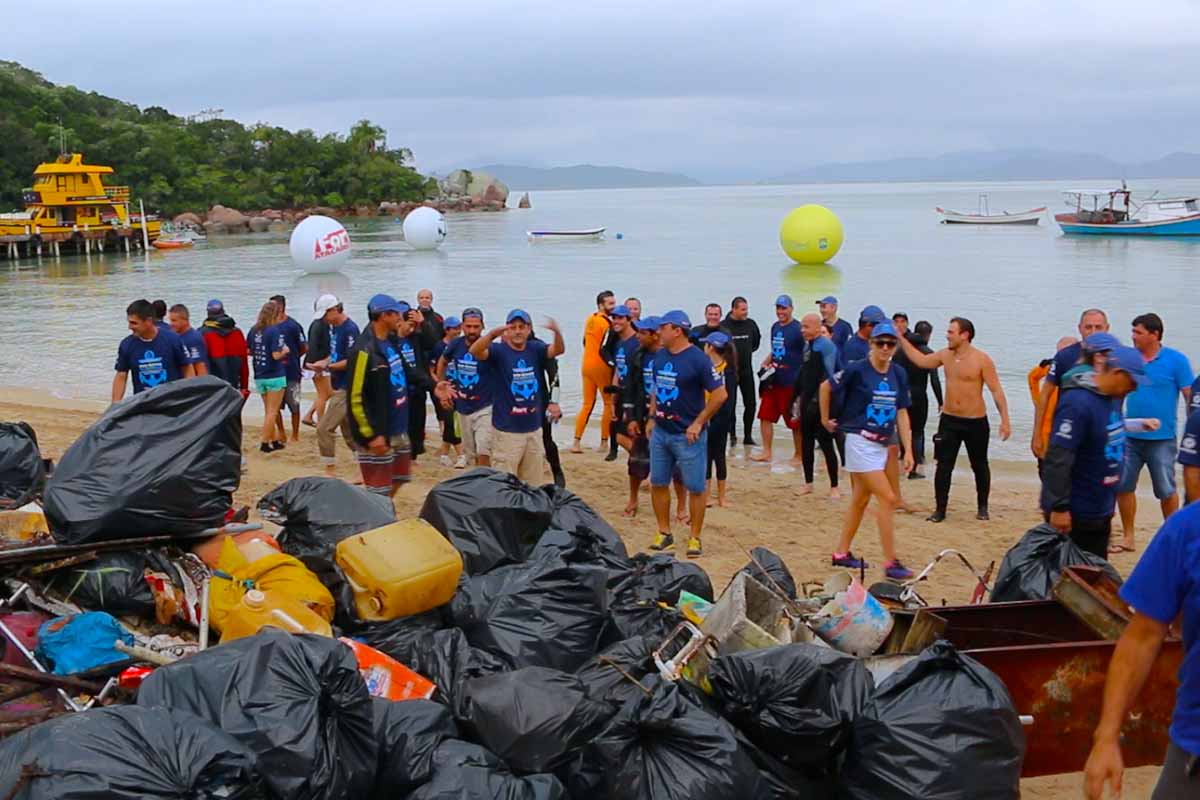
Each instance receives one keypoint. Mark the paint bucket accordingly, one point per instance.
(853, 621)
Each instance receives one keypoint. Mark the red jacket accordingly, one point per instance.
(228, 356)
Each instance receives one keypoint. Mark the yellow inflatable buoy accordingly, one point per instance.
(811, 234)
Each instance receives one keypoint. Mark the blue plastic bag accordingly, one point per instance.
(81, 642)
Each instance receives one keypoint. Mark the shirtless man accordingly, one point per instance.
(964, 419)
(1092, 320)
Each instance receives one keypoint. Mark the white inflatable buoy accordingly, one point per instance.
(320, 244)
(424, 228)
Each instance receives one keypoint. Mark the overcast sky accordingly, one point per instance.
(748, 90)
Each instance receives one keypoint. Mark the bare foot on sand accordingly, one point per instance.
(724, 502)
(763, 457)
(630, 510)
(805, 488)
(683, 516)
(835, 493)
(575, 447)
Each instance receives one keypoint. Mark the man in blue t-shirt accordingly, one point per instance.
(343, 335)
(858, 346)
(679, 416)
(778, 390)
(1087, 445)
(297, 344)
(1164, 585)
(473, 389)
(193, 341)
(518, 408)
(1092, 320)
(1170, 375)
(152, 355)
(1189, 457)
(839, 330)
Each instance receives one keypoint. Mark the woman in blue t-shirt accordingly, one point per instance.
(872, 399)
(269, 353)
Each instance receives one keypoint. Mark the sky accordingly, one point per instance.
(740, 91)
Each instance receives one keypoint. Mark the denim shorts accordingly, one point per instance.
(669, 451)
(1159, 456)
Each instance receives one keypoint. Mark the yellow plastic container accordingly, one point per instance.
(400, 569)
(259, 609)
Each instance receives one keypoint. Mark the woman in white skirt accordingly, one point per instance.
(870, 401)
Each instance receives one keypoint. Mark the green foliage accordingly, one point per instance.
(175, 164)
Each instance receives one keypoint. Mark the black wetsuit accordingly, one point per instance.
(808, 385)
(746, 338)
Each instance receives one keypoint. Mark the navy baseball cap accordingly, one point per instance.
(716, 339)
(383, 303)
(1129, 361)
(884, 328)
(1101, 342)
(472, 311)
(829, 299)
(404, 306)
(622, 311)
(783, 300)
(518, 313)
(451, 322)
(649, 324)
(872, 314)
(215, 307)
(677, 318)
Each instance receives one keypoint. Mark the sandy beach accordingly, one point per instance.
(766, 510)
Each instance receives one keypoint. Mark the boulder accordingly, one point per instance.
(233, 220)
(271, 213)
(456, 182)
(259, 224)
(524, 201)
(188, 218)
(494, 193)
(324, 211)
(486, 187)
(364, 211)
(213, 227)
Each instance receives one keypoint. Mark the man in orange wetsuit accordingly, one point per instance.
(1035, 378)
(597, 370)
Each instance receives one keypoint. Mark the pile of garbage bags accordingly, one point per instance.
(1034, 564)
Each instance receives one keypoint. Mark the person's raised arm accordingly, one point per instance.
(480, 348)
(1127, 672)
(922, 360)
(992, 379)
(558, 347)
(118, 385)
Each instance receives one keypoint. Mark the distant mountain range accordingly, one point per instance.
(582, 176)
(996, 166)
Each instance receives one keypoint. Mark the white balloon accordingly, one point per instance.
(424, 228)
(320, 244)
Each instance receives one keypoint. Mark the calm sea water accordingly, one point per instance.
(681, 248)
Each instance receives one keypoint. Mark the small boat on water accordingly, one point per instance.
(585, 233)
(172, 244)
(1115, 213)
(986, 217)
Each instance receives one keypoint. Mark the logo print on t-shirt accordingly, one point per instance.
(1188, 445)
(466, 371)
(882, 409)
(622, 367)
(1064, 429)
(665, 388)
(151, 371)
(406, 350)
(396, 369)
(1114, 448)
(778, 351)
(524, 382)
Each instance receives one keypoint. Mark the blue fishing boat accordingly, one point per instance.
(1115, 213)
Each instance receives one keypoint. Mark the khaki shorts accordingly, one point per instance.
(521, 454)
(476, 431)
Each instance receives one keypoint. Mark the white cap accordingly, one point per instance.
(323, 304)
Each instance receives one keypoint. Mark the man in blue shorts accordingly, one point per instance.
(1170, 375)
(682, 373)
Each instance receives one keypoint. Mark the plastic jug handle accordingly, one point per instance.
(288, 621)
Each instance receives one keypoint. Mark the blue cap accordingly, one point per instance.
(451, 322)
(830, 299)
(783, 300)
(382, 303)
(884, 328)
(716, 339)
(518, 313)
(650, 323)
(216, 307)
(872, 314)
(472, 312)
(622, 311)
(1129, 361)
(1101, 342)
(677, 318)
(404, 306)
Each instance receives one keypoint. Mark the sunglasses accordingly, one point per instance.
(886, 344)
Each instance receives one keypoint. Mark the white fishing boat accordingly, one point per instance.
(583, 233)
(984, 216)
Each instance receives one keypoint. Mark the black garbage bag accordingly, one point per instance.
(408, 733)
(533, 718)
(769, 570)
(662, 746)
(113, 582)
(547, 612)
(583, 545)
(316, 513)
(466, 771)
(796, 701)
(493, 518)
(1033, 565)
(127, 753)
(22, 471)
(607, 674)
(164, 462)
(297, 701)
(941, 726)
(634, 596)
(570, 513)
